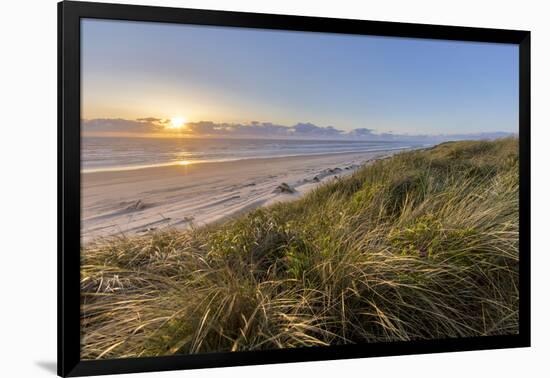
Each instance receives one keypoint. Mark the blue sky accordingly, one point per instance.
(132, 70)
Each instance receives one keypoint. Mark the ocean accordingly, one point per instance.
(114, 154)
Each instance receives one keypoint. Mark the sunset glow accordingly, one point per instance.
(177, 123)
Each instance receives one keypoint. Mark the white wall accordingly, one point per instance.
(28, 186)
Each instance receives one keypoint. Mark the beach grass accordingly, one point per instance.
(422, 245)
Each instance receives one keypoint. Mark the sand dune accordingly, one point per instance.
(139, 201)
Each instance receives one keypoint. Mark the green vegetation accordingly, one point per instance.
(422, 245)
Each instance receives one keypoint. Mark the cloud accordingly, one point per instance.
(308, 129)
(255, 129)
(117, 125)
(361, 132)
(153, 120)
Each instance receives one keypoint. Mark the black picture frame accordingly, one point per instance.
(69, 15)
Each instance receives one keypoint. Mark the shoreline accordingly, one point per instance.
(194, 162)
(137, 201)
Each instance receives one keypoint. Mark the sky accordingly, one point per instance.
(145, 74)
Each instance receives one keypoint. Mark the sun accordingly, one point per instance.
(177, 123)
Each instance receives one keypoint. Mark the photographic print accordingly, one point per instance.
(249, 189)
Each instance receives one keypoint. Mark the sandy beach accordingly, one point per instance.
(138, 201)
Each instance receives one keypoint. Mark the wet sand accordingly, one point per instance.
(143, 200)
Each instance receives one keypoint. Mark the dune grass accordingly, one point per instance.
(422, 245)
